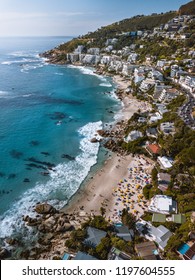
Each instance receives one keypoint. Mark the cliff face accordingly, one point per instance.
(187, 9)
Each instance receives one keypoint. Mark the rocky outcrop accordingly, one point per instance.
(53, 228)
(45, 208)
(51, 221)
(103, 133)
(32, 222)
(94, 140)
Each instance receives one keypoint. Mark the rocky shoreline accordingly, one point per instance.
(52, 228)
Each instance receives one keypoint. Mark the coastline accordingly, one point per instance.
(96, 191)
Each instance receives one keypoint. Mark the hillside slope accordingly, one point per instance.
(139, 22)
(187, 9)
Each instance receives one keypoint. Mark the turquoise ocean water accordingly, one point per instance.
(48, 114)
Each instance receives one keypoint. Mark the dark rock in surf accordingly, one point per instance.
(94, 140)
(26, 180)
(68, 157)
(45, 208)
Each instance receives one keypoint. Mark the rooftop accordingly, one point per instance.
(164, 177)
(167, 127)
(83, 256)
(162, 204)
(165, 162)
(116, 254)
(153, 149)
(123, 232)
(94, 237)
(152, 131)
(133, 135)
(159, 218)
(146, 250)
(159, 234)
(179, 218)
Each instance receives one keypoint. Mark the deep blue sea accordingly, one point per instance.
(46, 111)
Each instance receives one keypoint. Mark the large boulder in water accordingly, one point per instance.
(45, 208)
(94, 140)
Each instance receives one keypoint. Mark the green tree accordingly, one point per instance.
(103, 248)
(99, 222)
(128, 219)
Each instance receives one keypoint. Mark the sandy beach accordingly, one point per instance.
(130, 104)
(117, 185)
(98, 191)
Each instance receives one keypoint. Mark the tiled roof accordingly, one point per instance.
(153, 148)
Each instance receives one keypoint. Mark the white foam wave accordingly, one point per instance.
(27, 95)
(25, 54)
(24, 60)
(27, 67)
(113, 94)
(105, 85)
(59, 74)
(119, 116)
(6, 63)
(2, 92)
(89, 71)
(66, 178)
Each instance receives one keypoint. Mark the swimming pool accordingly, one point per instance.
(183, 248)
(118, 225)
